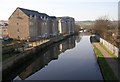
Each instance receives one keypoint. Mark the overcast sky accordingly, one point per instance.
(79, 9)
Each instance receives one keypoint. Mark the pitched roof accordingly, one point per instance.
(32, 12)
(53, 17)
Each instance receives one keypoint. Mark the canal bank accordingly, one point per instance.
(108, 63)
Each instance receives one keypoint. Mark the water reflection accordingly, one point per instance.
(51, 54)
(78, 38)
(76, 62)
(71, 59)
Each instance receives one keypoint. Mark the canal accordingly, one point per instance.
(71, 59)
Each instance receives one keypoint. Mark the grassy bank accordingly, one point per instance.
(105, 68)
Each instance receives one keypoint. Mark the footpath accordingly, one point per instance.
(112, 62)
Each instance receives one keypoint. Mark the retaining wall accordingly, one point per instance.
(110, 47)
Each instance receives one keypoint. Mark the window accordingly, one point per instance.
(17, 23)
(41, 17)
(20, 18)
(31, 23)
(46, 18)
(45, 23)
(53, 24)
(18, 37)
(18, 30)
(35, 16)
(31, 16)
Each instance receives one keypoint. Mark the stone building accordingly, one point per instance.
(70, 25)
(66, 25)
(28, 24)
(62, 27)
(53, 26)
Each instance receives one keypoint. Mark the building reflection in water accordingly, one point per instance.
(49, 55)
(78, 38)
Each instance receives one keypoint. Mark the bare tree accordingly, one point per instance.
(77, 28)
(102, 25)
(106, 29)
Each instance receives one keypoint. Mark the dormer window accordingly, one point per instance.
(41, 17)
(30, 16)
(35, 16)
(44, 18)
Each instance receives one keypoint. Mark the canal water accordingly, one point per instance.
(71, 59)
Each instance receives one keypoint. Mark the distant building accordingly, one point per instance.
(70, 25)
(62, 28)
(66, 25)
(3, 29)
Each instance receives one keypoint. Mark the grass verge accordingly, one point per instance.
(105, 68)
